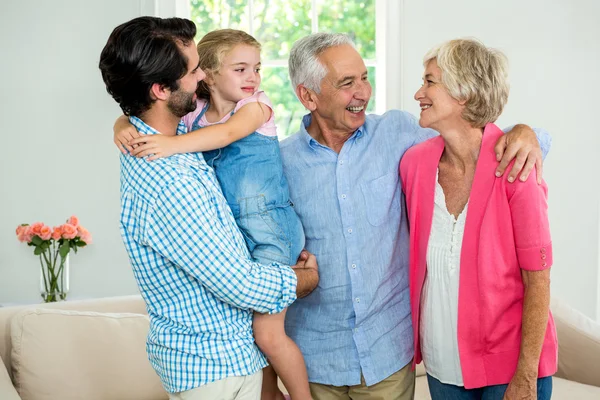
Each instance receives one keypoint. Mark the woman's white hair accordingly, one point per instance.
(476, 74)
(304, 65)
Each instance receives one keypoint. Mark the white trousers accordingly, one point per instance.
(232, 388)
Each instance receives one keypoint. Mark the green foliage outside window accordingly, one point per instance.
(277, 24)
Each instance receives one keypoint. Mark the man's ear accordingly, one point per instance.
(159, 92)
(307, 97)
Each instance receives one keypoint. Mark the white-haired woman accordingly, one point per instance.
(480, 248)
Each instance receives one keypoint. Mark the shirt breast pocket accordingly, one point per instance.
(382, 198)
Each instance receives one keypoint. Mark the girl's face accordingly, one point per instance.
(239, 75)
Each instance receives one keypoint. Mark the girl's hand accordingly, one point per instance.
(123, 133)
(154, 146)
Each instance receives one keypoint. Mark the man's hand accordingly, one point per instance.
(307, 271)
(522, 387)
(521, 143)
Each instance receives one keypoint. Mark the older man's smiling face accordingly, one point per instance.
(345, 90)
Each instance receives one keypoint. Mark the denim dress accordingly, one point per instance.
(251, 176)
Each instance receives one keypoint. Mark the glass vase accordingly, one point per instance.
(54, 279)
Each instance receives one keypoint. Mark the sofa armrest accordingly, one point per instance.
(7, 390)
(578, 344)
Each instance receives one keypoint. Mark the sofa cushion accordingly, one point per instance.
(59, 354)
(567, 390)
(578, 344)
(422, 388)
(116, 304)
(562, 389)
(420, 369)
(7, 391)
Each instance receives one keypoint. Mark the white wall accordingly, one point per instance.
(554, 55)
(57, 154)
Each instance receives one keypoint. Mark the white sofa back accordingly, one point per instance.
(93, 349)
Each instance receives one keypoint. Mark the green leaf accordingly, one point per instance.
(81, 243)
(36, 240)
(38, 251)
(64, 249)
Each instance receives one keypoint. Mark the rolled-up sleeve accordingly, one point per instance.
(187, 228)
(529, 210)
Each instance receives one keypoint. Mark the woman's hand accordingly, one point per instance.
(123, 133)
(154, 146)
(522, 387)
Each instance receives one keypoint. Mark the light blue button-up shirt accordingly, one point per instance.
(194, 271)
(352, 209)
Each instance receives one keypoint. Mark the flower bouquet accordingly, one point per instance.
(53, 246)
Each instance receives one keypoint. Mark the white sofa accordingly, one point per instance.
(95, 350)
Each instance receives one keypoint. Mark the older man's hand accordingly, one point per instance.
(307, 271)
(522, 144)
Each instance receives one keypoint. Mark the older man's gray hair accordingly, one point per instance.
(305, 67)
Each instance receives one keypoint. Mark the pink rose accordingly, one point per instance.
(68, 231)
(56, 233)
(84, 235)
(36, 229)
(21, 229)
(73, 221)
(45, 232)
(24, 234)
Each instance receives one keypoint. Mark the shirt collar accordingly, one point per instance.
(312, 142)
(146, 129)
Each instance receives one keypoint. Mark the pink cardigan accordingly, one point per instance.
(506, 230)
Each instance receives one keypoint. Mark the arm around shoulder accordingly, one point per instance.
(245, 121)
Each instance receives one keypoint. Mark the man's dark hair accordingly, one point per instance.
(142, 52)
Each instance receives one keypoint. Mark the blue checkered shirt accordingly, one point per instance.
(194, 271)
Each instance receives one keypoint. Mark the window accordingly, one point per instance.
(277, 24)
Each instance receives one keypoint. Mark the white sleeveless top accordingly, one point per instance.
(439, 298)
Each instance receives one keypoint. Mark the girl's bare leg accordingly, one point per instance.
(283, 355)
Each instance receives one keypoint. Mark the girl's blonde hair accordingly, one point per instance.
(213, 47)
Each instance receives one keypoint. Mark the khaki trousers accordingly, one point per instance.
(398, 386)
(232, 388)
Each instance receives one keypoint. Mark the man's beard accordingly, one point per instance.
(181, 103)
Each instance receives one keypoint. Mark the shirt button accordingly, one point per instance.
(350, 230)
(353, 266)
(542, 250)
(543, 264)
(341, 162)
(343, 196)
(355, 329)
(357, 300)
(543, 256)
